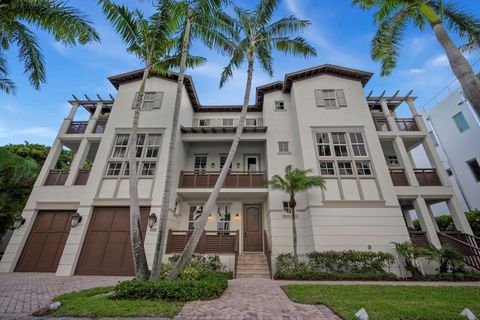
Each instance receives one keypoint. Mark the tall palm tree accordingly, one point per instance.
(393, 17)
(203, 20)
(66, 24)
(295, 181)
(150, 39)
(256, 36)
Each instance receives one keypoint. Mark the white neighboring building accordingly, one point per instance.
(455, 131)
(318, 118)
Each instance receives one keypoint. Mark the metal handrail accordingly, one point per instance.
(268, 251)
(471, 253)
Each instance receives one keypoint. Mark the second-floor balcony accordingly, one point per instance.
(77, 127)
(403, 124)
(425, 177)
(57, 177)
(234, 179)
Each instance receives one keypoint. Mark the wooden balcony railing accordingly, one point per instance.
(381, 125)
(82, 177)
(427, 177)
(207, 179)
(56, 177)
(77, 127)
(100, 126)
(210, 242)
(406, 124)
(399, 178)
(419, 238)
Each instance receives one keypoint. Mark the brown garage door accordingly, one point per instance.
(45, 243)
(107, 249)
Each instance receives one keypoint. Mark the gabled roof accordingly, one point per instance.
(284, 86)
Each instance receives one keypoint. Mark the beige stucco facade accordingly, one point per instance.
(360, 211)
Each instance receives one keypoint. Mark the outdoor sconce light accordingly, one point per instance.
(210, 217)
(76, 219)
(213, 165)
(238, 165)
(237, 217)
(19, 221)
(152, 219)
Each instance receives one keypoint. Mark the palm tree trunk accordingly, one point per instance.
(136, 236)
(202, 221)
(292, 205)
(460, 67)
(167, 189)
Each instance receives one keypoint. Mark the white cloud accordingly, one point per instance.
(416, 71)
(439, 61)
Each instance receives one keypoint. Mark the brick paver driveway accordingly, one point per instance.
(254, 299)
(24, 293)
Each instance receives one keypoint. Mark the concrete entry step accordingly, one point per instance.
(252, 265)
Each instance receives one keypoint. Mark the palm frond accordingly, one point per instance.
(286, 26)
(123, 20)
(67, 24)
(264, 57)
(237, 59)
(297, 46)
(364, 4)
(264, 11)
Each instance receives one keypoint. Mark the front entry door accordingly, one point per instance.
(252, 227)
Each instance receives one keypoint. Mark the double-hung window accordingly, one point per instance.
(461, 122)
(193, 215)
(327, 168)
(345, 168)
(204, 122)
(224, 218)
(329, 98)
(358, 144)
(250, 122)
(120, 146)
(283, 147)
(200, 162)
(227, 122)
(279, 106)
(475, 168)
(340, 144)
(223, 159)
(323, 144)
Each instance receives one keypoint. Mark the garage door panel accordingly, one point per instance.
(45, 243)
(108, 252)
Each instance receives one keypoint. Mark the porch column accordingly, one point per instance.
(390, 119)
(94, 118)
(404, 160)
(435, 161)
(78, 161)
(426, 222)
(433, 218)
(458, 216)
(69, 118)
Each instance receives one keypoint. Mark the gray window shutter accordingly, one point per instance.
(319, 98)
(342, 102)
(158, 100)
(135, 100)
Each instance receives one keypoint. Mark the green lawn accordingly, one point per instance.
(390, 302)
(84, 304)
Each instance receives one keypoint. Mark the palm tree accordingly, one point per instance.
(65, 23)
(393, 17)
(295, 181)
(200, 19)
(255, 37)
(150, 40)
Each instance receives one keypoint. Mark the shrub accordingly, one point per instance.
(207, 286)
(316, 275)
(457, 276)
(336, 265)
(410, 253)
(449, 259)
(197, 265)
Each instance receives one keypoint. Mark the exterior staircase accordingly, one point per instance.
(252, 265)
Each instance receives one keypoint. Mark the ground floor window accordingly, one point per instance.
(194, 214)
(224, 215)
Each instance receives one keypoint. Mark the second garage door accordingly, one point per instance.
(107, 248)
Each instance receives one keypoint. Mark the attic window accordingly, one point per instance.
(279, 106)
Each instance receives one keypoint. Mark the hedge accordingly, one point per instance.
(457, 276)
(315, 275)
(207, 286)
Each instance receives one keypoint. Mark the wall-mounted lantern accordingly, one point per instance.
(210, 217)
(238, 165)
(152, 219)
(19, 221)
(76, 219)
(236, 217)
(213, 165)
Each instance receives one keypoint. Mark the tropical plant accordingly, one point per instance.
(393, 17)
(255, 37)
(448, 258)
(65, 23)
(17, 176)
(294, 181)
(150, 39)
(198, 19)
(445, 222)
(410, 253)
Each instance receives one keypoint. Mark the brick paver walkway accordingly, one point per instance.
(24, 293)
(261, 299)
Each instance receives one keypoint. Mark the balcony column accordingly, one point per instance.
(404, 160)
(94, 118)
(435, 161)
(426, 221)
(433, 218)
(50, 162)
(458, 216)
(388, 116)
(77, 162)
(69, 118)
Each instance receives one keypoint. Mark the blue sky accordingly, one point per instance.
(340, 33)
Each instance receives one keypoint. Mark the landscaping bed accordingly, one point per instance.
(390, 302)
